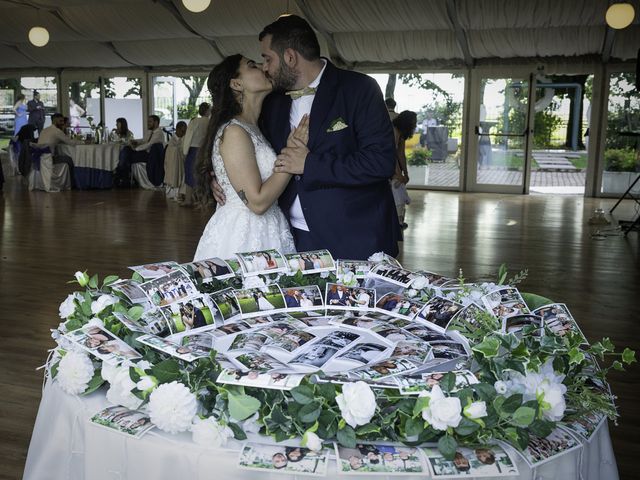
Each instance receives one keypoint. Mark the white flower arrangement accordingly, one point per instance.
(357, 403)
(75, 371)
(209, 432)
(68, 307)
(441, 412)
(172, 407)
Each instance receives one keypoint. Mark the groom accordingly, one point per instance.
(339, 197)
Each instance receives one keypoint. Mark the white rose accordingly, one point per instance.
(75, 371)
(442, 412)
(172, 407)
(143, 365)
(357, 403)
(68, 307)
(95, 322)
(82, 278)
(119, 392)
(501, 387)
(102, 302)
(475, 410)
(109, 371)
(312, 441)
(210, 433)
(377, 257)
(553, 404)
(348, 278)
(411, 293)
(420, 282)
(146, 382)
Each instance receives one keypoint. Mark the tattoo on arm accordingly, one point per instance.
(243, 197)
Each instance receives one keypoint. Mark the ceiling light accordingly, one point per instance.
(39, 36)
(196, 6)
(620, 15)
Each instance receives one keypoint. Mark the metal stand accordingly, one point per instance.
(628, 225)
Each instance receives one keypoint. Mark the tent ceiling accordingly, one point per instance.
(361, 33)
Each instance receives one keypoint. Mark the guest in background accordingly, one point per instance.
(20, 110)
(391, 107)
(193, 140)
(36, 111)
(138, 151)
(75, 112)
(174, 162)
(66, 128)
(121, 134)
(403, 127)
(52, 136)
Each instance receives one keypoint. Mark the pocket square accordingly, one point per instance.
(337, 125)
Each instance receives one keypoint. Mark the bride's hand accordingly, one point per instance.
(300, 133)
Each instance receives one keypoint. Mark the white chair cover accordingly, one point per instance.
(51, 177)
(13, 160)
(139, 171)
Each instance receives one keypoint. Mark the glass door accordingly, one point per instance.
(501, 157)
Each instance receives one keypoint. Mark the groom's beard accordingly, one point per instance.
(284, 79)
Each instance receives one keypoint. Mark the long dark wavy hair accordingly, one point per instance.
(224, 107)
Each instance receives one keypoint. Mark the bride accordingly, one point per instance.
(242, 161)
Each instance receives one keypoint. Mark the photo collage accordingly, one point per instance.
(133, 423)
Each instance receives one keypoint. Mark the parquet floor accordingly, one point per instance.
(45, 238)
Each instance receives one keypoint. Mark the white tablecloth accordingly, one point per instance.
(101, 157)
(66, 446)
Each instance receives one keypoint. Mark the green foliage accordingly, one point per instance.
(620, 160)
(419, 157)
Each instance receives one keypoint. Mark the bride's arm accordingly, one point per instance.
(239, 157)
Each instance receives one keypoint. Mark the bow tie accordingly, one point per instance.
(295, 94)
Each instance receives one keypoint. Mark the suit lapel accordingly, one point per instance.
(322, 103)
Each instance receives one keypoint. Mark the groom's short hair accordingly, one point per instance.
(292, 31)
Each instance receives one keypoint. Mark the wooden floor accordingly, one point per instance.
(45, 238)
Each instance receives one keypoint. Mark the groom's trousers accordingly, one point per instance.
(304, 241)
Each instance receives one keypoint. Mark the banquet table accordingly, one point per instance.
(93, 164)
(66, 445)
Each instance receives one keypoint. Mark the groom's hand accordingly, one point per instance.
(216, 190)
(292, 158)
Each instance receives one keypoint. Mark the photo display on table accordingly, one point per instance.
(207, 270)
(262, 262)
(466, 319)
(260, 301)
(308, 297)
(102, 344)
(282, 459)
(505, 302)
(226, 305)
(586, 426)
(379, 458)
(478, 461)
(134, 423)
(397, 305)
(151, 321)
(155, 270)
(438, 312)
(413, 385)
(172, 348)
(517, 323)
(435, 280)
(341, 297)
(132, 292)
(315, 261)
(392, 274)
(170, 288)
(559, 320)
(359, 268)
(541, 450)
(189, 314)
(253, 378)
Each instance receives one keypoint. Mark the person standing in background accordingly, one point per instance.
(36, 111)
(404, 125)
(193, 140)
(174, 162)
(20, 110)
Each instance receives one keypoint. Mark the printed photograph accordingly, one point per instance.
(226, 304)
(391, 333)
(310, 262)
(258, 301)
(154, 270)
(447, 350)
(234, 264)
(253, 378)
(397, 305)
(291, 341)
(425, 382)
(102, 344)
(131, 290)
(439, 311)
(359, 268)
(392, 274)
(505, 302)
(291, 460)
(151, 321)
(363, 353)
(435, 280)
(123, 420)
(199, 344)
(414, 350)
(379, 458)
(516, 323)
(206, 270)
(340, 297)
(466, 319)
(303, 298)
(230, 329)
(190, 314)
(312, 320)
(385, 368)
(266, 261)
(169, 288)
(425, 333)
(315, 356)
(559, 320)
(260, 362)
(253, 341)
(586, 425)
(171, 348)
(541, 450)
(479, 461)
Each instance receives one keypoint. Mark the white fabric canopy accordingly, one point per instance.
(374, 33)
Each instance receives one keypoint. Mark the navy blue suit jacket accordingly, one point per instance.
(344, 191)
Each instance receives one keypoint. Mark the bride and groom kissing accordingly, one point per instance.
(328, 185)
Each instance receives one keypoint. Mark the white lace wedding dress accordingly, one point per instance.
(233, 227)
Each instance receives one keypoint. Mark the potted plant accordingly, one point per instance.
(621, 169)
(418, 166)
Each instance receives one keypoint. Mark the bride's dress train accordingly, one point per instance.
(233, 227)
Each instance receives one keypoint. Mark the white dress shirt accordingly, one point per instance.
(154, 136)
(196, 133)
(300, 107)
(52, 136)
